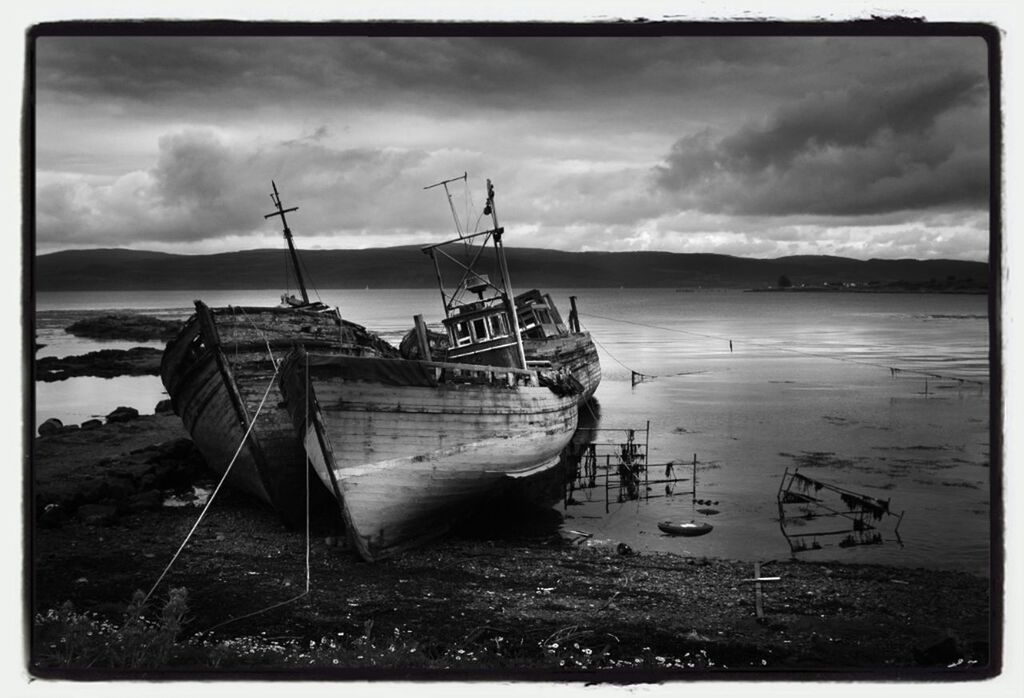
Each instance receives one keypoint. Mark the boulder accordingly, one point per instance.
(50, 427)
(92, 424)
(163, 407)
(123, 414)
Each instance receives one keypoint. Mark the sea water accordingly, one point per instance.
(882, 394)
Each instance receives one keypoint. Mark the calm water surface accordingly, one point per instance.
(882, 394)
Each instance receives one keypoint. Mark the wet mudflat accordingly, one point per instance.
(473, 605)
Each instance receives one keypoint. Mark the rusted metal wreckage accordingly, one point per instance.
(814, 513)
(598, 460)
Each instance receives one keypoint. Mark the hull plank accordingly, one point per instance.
(574, 353)
(209, 413)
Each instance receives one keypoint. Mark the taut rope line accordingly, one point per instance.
(213, 495)
(308, 546)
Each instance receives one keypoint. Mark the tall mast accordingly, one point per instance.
(499, 248)
(276, 198)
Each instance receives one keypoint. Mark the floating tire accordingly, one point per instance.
(690, 528)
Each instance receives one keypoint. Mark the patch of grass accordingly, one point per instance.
(66, 638)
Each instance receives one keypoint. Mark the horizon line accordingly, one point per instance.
(515, 247)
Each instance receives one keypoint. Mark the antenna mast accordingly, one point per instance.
(445, 183)
(499, 248)
(276, 198)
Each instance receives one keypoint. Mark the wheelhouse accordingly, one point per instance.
(480, 333)
(538, 316)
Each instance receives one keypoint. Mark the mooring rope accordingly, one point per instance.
(262, 335)
(295, 598)
(632, 371)
(777, 347)
(213, 495)
(305, 422)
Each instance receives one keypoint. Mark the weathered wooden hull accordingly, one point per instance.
(573, 352)
(411, 449)
(217, 372)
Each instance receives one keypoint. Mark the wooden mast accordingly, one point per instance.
(276, 198)
(510, 304)
(505, 292)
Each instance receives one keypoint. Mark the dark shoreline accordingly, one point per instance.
(822, 289)
(474, 606)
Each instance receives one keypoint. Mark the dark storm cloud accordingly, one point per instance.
(172, 140)
(452, 73)
(861, 150)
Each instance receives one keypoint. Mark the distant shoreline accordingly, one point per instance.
(125, 270)
(824, 289)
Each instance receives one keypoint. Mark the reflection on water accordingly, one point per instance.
(874, 393)
(76, 400)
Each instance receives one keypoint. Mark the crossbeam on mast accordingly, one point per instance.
(276, 198)
(445, 183)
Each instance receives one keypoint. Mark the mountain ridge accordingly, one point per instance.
(407, 266)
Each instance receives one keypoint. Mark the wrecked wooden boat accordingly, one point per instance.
(548, 341)
(470, 332)
(411, 446)
(221, 375)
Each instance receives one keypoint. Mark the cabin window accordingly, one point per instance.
(498, 326)
(543, 316)
(480, 328)
(527, 320)
(462, 333)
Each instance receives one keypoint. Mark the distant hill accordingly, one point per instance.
(408, 267)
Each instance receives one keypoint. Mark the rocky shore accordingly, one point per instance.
(473, 606)
(105, 363)
(130, 326)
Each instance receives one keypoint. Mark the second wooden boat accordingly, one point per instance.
(220, 373)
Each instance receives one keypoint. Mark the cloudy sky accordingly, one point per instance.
(753, 146)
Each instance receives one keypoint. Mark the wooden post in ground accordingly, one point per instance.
(757, 580)
(758, 603)
(607, 481)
